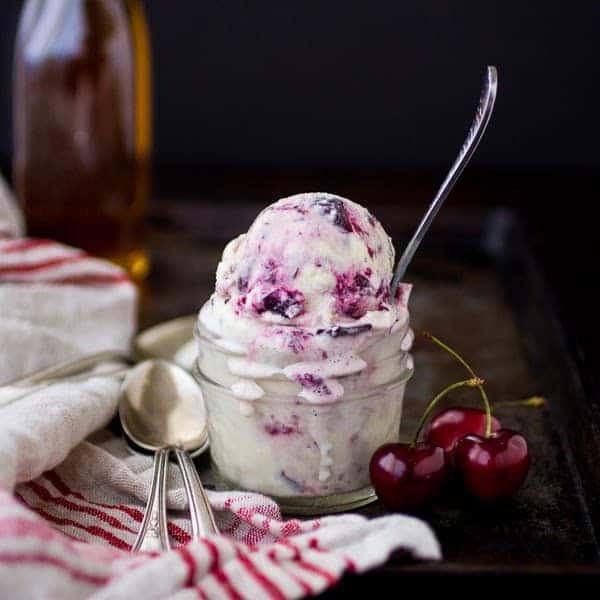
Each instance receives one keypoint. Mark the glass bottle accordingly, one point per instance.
(82, 125)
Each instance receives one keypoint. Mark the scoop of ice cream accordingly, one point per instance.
(308, 260)
(302, 304)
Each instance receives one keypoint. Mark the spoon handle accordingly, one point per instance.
(153, 535)
(480, 121)
(10, 393)
(70, 368)
(203, 520)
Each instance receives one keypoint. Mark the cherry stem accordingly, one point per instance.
(533, 402)
(465, 364)
(473, 382)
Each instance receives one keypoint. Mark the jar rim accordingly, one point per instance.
(206, 336)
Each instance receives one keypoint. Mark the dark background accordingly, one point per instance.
(254, 100)
(378, 84)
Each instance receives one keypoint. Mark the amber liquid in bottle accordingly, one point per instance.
(82, 113)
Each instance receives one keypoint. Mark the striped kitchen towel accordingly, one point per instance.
(71, 495)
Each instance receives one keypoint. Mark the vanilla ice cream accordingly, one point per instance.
(302, 319)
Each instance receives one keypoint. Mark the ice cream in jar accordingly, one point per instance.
(303, 354)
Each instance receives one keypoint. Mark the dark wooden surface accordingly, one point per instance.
(478, 285)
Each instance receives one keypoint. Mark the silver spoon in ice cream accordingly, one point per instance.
(480, 122)
(162, 410)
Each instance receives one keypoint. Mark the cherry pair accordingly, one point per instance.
(492, 462)
(491, 468)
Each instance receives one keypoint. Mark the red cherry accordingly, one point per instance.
(492, 468)
(448, 426)
(406, 476)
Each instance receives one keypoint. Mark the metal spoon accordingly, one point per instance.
(74, 371)
(161, 409)
(482, 118)
(159, 341)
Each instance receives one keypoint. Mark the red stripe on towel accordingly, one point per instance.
(177, 533)
(94, 530)
(24, 244)
(44, 264)
(43, 494)
(22, 557)
(215, 569)
(269, 586)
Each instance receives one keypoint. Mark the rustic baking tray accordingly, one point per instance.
(478, 287)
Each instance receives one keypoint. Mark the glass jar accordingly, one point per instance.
(310, 457)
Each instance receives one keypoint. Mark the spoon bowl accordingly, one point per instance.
(161, 406)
